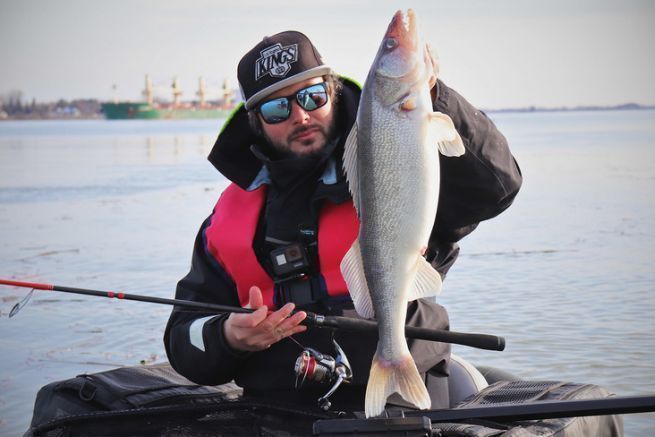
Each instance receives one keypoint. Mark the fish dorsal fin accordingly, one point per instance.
(352, 270)
(350, 165)
(447, 137)
(427, 282)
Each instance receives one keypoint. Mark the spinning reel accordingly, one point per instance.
(312, 365)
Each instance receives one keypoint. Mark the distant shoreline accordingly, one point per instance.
(73, 113)
(622, 107)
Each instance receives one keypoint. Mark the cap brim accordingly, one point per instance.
(321, 70)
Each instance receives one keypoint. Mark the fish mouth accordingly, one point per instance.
(401, 41)
(402, 31)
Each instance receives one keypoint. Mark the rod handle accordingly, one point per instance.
(480, 341)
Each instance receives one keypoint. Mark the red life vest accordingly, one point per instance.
(231, 232)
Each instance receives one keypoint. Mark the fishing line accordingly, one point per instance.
(296, 342)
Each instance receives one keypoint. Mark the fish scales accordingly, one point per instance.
(392, 165)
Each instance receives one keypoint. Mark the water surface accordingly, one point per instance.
(565, 275)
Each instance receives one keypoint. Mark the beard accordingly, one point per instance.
(293, 145)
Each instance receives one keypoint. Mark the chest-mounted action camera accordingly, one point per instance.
(290, 262)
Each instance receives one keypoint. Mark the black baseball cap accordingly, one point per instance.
(276, 62)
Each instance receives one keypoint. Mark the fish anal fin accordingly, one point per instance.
(352, 270)
(350, 165)
(446, 136)
(427, 281)
(400, 377)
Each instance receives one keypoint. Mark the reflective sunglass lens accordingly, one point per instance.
(312, 97)
(275, 111)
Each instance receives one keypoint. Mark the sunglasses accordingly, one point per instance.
(279, 109)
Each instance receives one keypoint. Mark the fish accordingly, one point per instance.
(391, 162)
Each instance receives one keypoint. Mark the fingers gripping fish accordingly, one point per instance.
(392, 166)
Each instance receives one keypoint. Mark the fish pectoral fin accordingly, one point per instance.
(350, 165)
(352, 270)
(446, 136)
(427, 282)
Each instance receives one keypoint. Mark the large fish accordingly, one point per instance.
(392, 166)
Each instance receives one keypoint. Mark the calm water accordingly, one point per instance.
(565, 275)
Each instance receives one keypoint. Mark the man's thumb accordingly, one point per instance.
(255, 300)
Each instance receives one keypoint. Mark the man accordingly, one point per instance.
(289, 201)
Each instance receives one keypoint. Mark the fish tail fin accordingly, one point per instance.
(387, 378)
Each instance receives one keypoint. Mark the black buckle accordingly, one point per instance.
(88, 391)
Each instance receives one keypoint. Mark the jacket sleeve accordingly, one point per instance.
(478, 185)
(194, 341)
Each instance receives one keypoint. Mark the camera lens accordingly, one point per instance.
(293, 253)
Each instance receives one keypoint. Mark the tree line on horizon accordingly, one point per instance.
(13, 106)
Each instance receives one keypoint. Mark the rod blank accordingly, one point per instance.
(480, 341)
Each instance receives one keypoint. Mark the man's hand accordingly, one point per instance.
(259, 330)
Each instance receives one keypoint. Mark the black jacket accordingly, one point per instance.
(475, 187)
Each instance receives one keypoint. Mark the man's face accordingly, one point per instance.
(304, 133)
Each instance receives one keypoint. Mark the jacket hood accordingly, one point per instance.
(232, 155)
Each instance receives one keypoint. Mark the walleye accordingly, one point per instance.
(392, 166)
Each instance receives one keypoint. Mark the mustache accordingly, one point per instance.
(302, 129)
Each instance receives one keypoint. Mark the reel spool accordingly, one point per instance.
(315, 366)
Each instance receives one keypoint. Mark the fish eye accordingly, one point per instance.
(391, 43)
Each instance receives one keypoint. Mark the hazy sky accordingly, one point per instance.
(500, 53)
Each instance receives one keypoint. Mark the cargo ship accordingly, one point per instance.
(152, 110)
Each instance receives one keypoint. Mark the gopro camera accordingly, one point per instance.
(290, 261)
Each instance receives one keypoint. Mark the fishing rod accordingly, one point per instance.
(480, 341)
